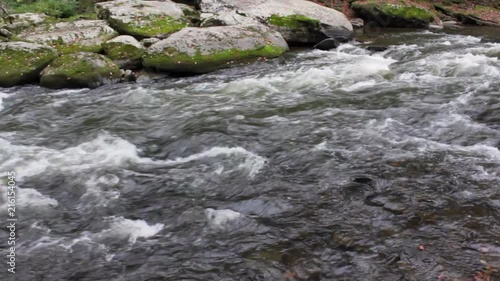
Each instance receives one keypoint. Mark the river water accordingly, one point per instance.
(322, 165)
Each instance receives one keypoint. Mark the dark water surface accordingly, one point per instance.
(318, 166)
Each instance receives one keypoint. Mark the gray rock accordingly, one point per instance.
(435, 26)
(125, 51)
(450, 23)
(145, 18)
(357, 23)
(327, 44)
(5, 33)
(17, 22)
(80, 70)
(70, 37)
(21, 62)
(298, 21)
(149, 41)
(201, 50)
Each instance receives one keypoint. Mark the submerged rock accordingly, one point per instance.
(390, 15)
(125, 51)
(297, 20)
(145, 18)
(71, 37)
(327, 44)
(201, 50)
(80, 70)
(21, 62)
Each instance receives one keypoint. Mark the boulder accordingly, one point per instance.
(201, 50)
(80, 70)
(145, 18)
(21, 62)
(18, 22)
(71, 37)
(298, 21)
(125, 51)
(390, 15)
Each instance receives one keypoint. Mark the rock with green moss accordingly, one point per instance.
(22, 62)
(298, 21)
(145, 19)
(125, 51)
(201, 50)
(71, 37)
(80, 70)
(390, 15)
(18, 22)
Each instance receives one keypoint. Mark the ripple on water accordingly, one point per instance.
(325, 164)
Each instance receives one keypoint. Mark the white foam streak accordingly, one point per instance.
(2, 97)
(121, 227)
(254, 163)
(104, 151)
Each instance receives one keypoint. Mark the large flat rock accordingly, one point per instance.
(201, 50)
(71, 37)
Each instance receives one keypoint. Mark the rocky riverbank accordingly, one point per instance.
(173, 37)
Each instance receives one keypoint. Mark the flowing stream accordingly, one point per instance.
(321, 165)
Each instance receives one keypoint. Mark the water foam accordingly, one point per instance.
(30, 197)
(103, 152)
(2, 97)
(121, 227)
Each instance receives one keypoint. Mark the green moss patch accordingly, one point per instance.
(174, 60)
(293, 21)
(149, 26)
(119, 51)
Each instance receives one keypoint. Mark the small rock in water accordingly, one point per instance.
(377, 48)
(327, 44)
(357, 23)
(394, 207)
(435, 26)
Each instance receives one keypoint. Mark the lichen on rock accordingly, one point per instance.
(80, 70)
(21, 62)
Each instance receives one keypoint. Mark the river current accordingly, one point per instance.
(321, 165)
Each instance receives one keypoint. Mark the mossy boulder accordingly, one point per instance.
(201, 50)
(71, 37)
(80, 70)
(125, 51)
(390, 15)
(145, 19)
(21, 62)
(298, 21)
(18, 22)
